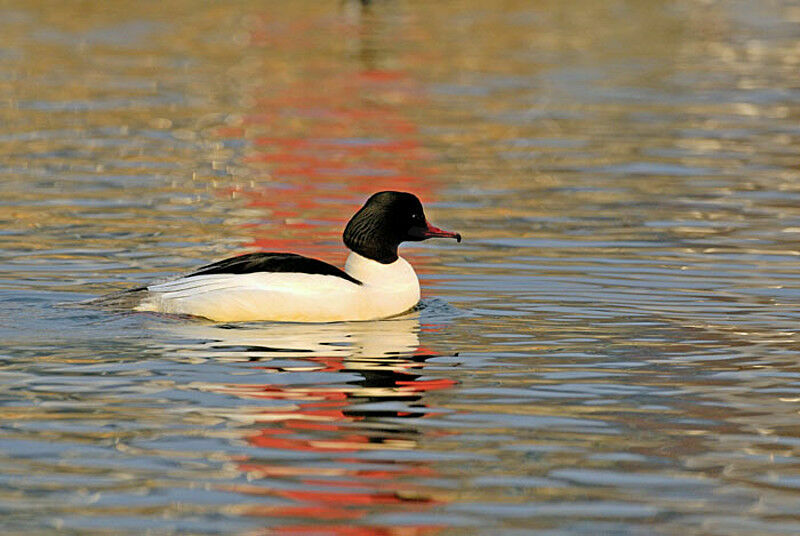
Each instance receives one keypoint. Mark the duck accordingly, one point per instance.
(376, 282)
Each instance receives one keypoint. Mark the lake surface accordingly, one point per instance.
(613, 348)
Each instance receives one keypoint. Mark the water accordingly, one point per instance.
(613, 348)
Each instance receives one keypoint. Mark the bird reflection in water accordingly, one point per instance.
(337, 401)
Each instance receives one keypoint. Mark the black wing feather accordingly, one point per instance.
(272, 262)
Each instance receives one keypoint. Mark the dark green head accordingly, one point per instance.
(385, 221)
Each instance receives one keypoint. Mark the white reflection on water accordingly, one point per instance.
(261, 341)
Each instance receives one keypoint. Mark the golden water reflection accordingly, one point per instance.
(612, 349)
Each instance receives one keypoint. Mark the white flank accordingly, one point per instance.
(387, 290)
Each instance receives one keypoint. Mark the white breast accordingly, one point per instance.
(386, 290)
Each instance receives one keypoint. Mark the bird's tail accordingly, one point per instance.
(123, 300)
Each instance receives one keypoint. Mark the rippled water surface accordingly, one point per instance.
(613, 349)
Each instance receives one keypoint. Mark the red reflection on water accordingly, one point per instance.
(349, 530)
(328, 140)
(325, 143)
(326, 421)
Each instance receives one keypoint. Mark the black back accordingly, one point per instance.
(382, 224)
(272, 262)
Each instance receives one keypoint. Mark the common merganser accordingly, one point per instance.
(375, 283)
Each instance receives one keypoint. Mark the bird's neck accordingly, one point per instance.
(375, 273)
